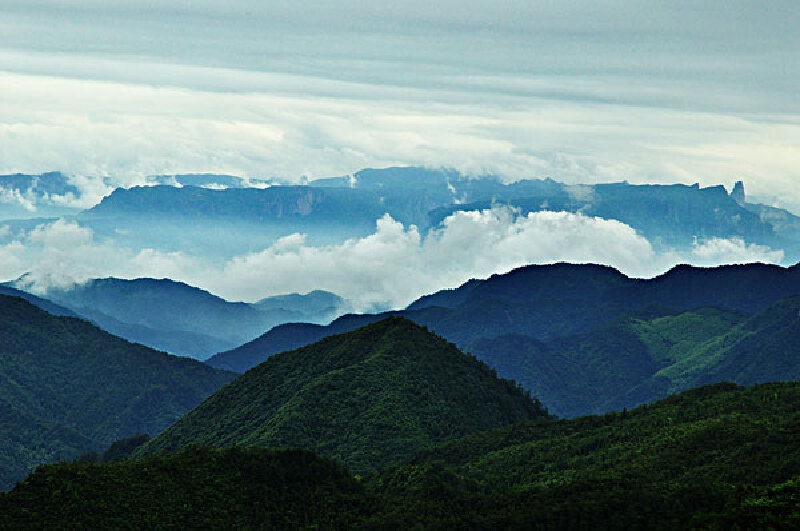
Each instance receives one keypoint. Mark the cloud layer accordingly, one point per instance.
(586, 92)
(387, 269)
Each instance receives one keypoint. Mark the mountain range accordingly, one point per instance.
(178, 318)
(224, 215)
(587, 339)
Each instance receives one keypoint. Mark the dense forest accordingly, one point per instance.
(717, 457)
(368, 397)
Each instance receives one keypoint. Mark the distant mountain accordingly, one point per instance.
(369, 398)
(717, 457)
(549, 301)
(207, 180)
(284, 337)
(44, 304)
(586, 339)
(68, 387)
(27, 196)
(181, 319)
(610, 367)
(239, 219)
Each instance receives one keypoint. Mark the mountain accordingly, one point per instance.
(28, 196)
(68, 387)
(717, 457)
(369, 398)
(669, 216)
(182, 319)
(586, 339)
(762, 348)
(549, 301)
(44, 304)
(239, 219)
(607, 368)
(284, 337)
(686, 462)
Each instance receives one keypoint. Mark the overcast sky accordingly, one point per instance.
(581, 91)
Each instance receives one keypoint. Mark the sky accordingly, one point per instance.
(583, 92)
(580, 91)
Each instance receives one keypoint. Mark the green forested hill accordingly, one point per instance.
(250, 488)
(699, 460)
(585, 338)
(68, 387)
(717, 457)
(606, 368)
(369, 397)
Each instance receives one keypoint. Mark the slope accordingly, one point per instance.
(182, 319)
(61, 374)
(604, 369)
(234, 488)
(368, 397)
(548, 301)
(693, 461)
(718, 457)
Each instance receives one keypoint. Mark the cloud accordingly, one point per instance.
(62, 253)
(718, 251)
(387, 269)
(702, 93)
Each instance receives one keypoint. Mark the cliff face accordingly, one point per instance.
(738, 193)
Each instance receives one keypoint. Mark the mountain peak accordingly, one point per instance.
(369, 397)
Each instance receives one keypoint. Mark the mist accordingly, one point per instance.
(387, 269)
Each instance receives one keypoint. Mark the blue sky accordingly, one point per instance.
(582, 91)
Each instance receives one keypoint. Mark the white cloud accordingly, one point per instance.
(718, 251)
(702, 93)
(387, 269)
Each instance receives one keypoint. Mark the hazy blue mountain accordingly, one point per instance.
(202, 218)
(314, 306)
(185, 320)
(667, 215)
(27, 196)
(39, 302)
(68, 387)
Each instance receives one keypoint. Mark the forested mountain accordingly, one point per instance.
(369, 398)
(587, 339)
(68, 387)
(182, 319)
(717, 457)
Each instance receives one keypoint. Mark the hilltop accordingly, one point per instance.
(369, 398)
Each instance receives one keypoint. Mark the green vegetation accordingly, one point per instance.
(586, 339)
(369, 397)
(68, 387)
(717, 457)
(195, 489)
(650, 354)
